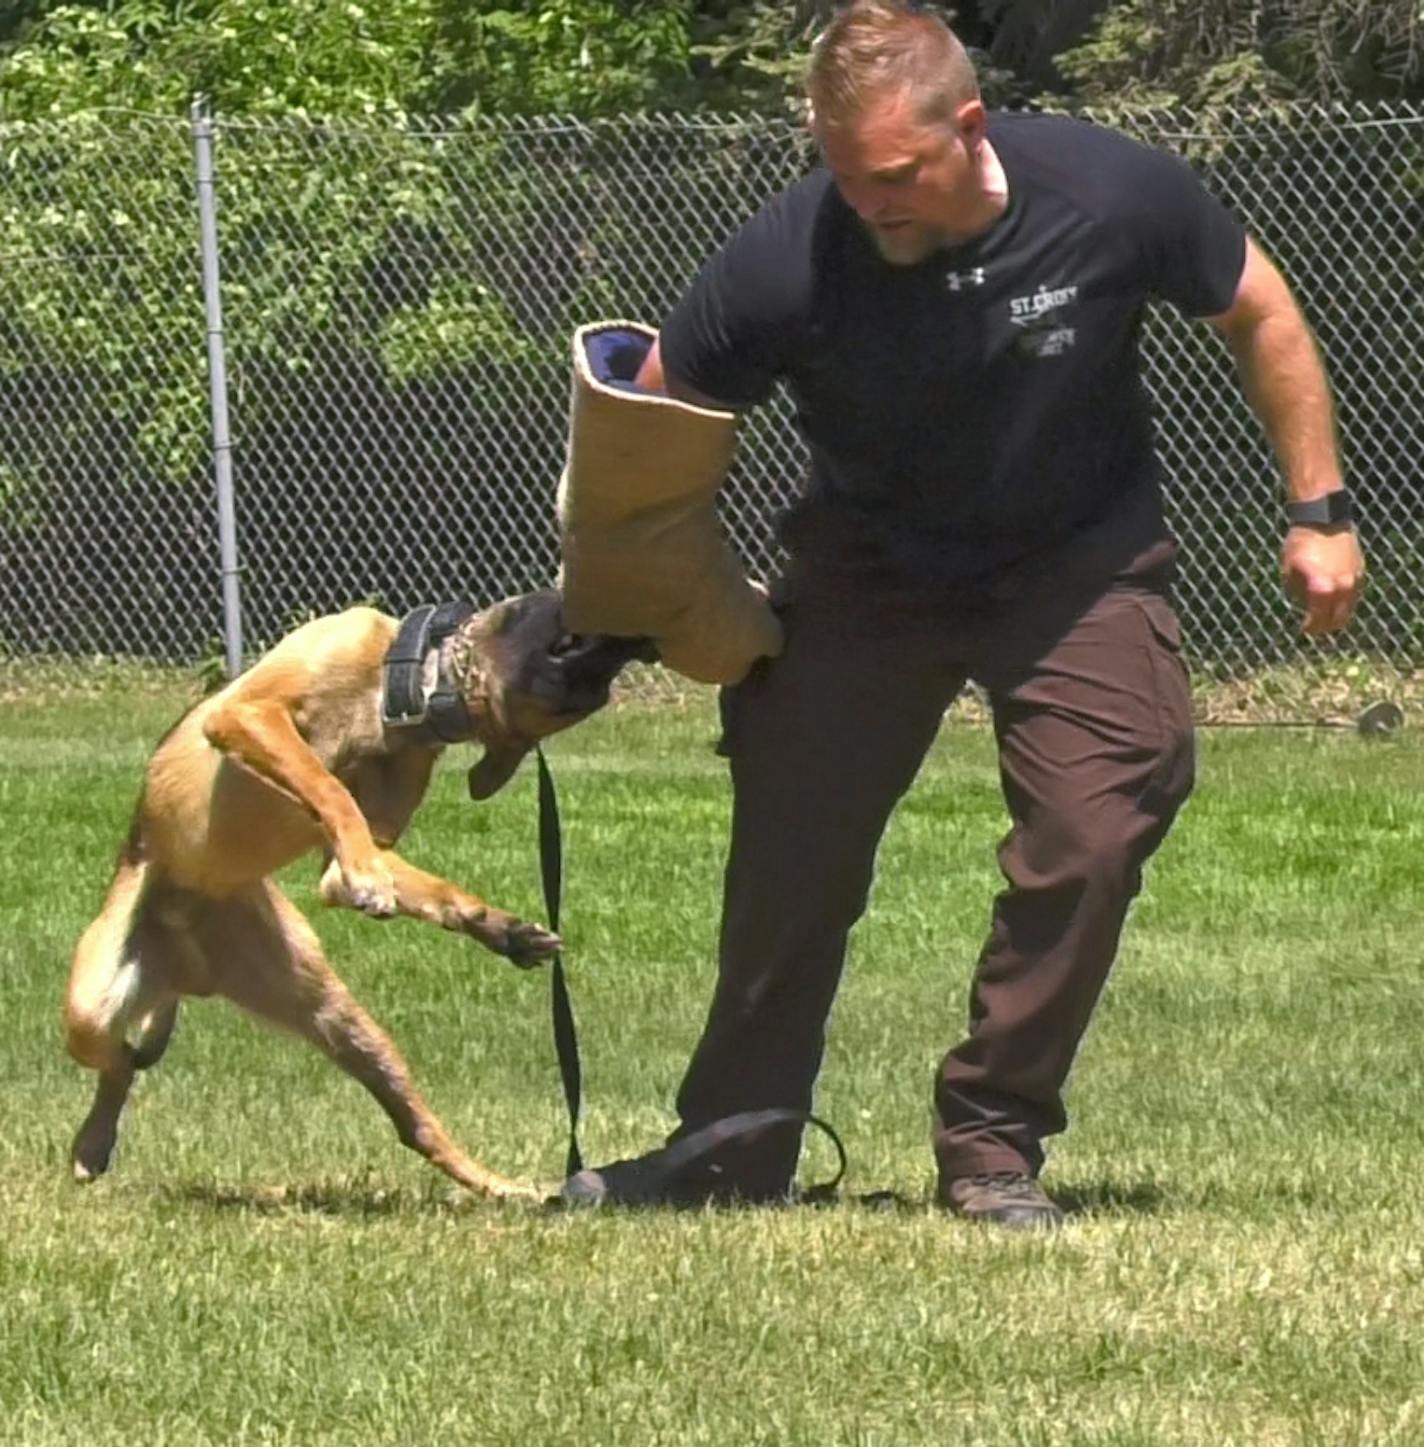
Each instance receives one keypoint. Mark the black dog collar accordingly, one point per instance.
(404, 703)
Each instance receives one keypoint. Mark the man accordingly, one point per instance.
(954, 301)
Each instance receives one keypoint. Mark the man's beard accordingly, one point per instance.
(906, 245)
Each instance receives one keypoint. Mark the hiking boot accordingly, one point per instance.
(1005, 1198)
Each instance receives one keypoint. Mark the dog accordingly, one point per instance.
(327, 742)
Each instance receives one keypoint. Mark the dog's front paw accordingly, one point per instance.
(521, 942)
(530, 944)
(369, 888)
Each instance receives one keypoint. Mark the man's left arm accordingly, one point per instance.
(1284, 380)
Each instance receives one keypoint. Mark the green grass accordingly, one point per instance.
(1245, 1263)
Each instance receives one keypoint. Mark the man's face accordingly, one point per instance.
(907, 179)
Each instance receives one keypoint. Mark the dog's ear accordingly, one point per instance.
(495, 768)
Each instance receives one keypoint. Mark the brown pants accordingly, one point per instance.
(1092, 717)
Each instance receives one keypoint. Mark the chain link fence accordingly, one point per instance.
(399, 302)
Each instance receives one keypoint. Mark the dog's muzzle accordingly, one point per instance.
(541, 679)
(587, 665)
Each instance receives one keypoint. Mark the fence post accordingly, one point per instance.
(217, 386)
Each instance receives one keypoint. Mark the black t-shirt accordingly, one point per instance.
(986, 402)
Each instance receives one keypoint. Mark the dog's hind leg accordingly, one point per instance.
(264, 956)
(104, 978)
(93, 1149)
(117, 978)
(103, 987)
(154, 1032)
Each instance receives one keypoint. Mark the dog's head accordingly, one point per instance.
(523, 677)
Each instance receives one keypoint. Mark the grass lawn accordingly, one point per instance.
(1245, 1261)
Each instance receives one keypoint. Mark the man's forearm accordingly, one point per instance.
(1284, 379)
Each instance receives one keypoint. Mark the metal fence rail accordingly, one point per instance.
(398, 304)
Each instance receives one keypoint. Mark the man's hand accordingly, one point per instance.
(1324, 571)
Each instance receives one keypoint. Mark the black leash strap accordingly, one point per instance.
(551, 867)
(665, 1165)
(658, 1168)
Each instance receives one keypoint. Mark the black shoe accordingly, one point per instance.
(1005, 1198)
(648, 1181)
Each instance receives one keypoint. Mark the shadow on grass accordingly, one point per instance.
(1086, 1198)
(357, 1200)
(1109, 1198)
(326, 1198)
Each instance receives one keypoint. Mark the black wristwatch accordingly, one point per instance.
(1322, 512)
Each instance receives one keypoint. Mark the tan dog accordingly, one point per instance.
(300, 753)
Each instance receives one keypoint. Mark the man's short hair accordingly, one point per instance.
(873, 49)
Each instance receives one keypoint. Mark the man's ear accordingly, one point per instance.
(973, 122)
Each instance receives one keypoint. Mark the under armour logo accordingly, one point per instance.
(957, 280)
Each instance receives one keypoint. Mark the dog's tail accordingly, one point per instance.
(105, 979)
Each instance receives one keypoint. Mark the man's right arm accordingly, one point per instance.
(652, 376)
(741, 321)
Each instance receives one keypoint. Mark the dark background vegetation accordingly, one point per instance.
(384, 322)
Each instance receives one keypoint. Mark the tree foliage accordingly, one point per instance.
(349, 58)
(341, 58)
(253, 57)
(587, 57)
(305, 236)
(1212, 52)
(346, 58)
(749, 56)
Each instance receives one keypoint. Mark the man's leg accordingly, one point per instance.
(823, 741)
(1093, 720)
